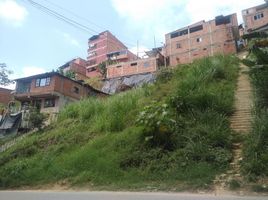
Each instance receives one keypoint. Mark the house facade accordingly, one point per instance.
(256, 18)
(51, 91)
(140, 66)
(78, 66)
(202, 39)
(103, 47)
(5, 96)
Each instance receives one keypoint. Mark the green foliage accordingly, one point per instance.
(102, 68)
(36, 118)
(255, 35)
(70, 74)
(173, 133)
(159, 124)
(95, 82)
(234, 184)
(256, 148)
(165, 75)
(4, 72)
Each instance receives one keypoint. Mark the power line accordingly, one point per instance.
(74, 14)
(61, 17)
(66, 19)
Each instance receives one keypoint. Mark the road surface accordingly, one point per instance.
(53, 195)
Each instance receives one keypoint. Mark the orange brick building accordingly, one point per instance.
(256, 18)
(78, 66)
(140, 66)
(202, 39)
(5, 96)
(103, 47)
(49, 92)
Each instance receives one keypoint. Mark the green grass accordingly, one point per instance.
(256, 148)
(173, 134)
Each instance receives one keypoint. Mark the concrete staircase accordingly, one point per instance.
(240, 123)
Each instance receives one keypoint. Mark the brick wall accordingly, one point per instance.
(131, 68)
(104, 44)
(5, 96)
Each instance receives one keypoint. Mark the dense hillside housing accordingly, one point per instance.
(202, 39)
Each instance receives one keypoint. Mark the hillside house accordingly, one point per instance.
(51, 91)
(78, 66)
(256, 18)
(103, 47)
(202, 39)
(151, 64)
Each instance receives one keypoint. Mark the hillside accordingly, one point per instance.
(172, 135)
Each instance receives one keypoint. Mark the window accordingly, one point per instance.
(179, 33)
(133, 64)
(258, 16)
(91, 69)
(92, 46)
(198, 39)
(118, 66)
(146, 64)
(178, 45)
(222, 20)
(49, 103)
(93, 53)
(41, 82)
(76, 90)
(196, 28)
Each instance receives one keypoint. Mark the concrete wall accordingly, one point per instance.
(212, 39)
(252, 23)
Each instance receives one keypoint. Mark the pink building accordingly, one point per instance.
(103, 47)
(202, 39)
(256, 18)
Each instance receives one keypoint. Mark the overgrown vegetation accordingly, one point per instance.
(256, 148)
(172, 134)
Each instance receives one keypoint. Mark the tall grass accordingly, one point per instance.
(118, 142)
(256, 148)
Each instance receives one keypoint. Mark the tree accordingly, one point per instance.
(69, 73)
(4, 72)
(102, 68)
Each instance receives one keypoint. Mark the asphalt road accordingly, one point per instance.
(47, 195)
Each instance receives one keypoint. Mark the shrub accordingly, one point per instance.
(159, 124)
(36, 118)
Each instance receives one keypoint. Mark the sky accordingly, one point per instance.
(33, 42)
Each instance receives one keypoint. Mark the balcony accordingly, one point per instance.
(118, 55)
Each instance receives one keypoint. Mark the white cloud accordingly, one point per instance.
(11, 12)
(141, 50)
(156, 18)
(32, 70)
(68, 38)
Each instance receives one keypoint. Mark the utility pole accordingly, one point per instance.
(137, 49)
